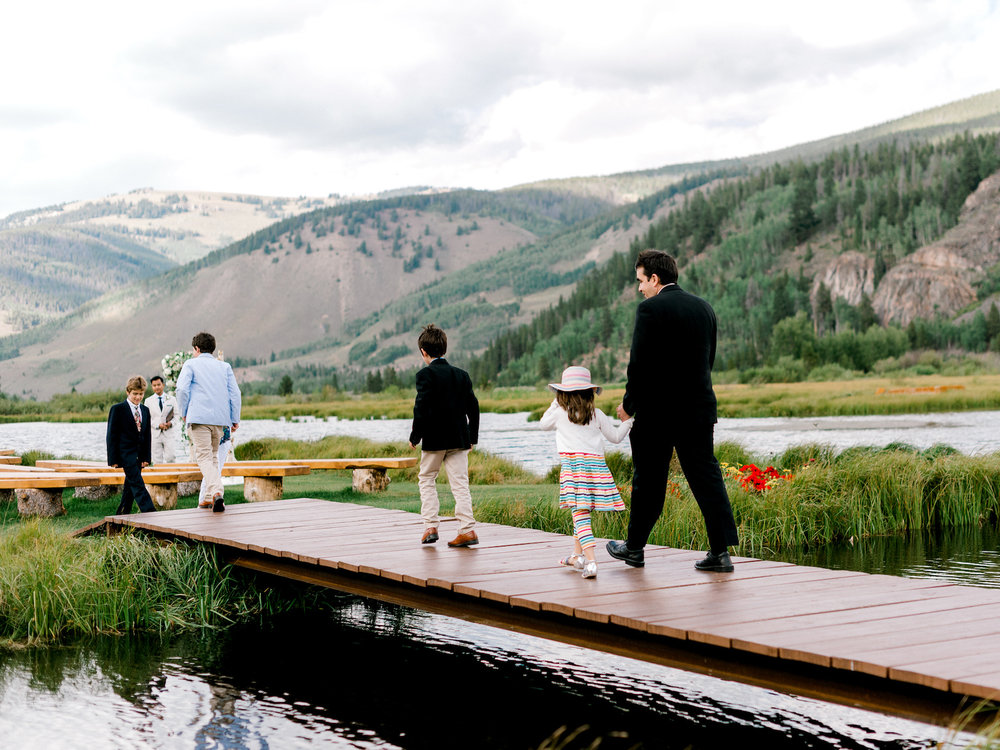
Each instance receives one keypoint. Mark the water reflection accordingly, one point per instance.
(968, 556)
(365, 675)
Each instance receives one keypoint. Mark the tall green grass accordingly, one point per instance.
(859, 493)
(52, 586)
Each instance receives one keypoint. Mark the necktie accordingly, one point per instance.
(161, 403)
(138, 420)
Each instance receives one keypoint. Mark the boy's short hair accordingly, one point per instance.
(660, 263)
(433, 340)
(205, 342)
(136, 383)
(154, 379)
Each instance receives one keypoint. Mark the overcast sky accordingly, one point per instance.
(311, 97)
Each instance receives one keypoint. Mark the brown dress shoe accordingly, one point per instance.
(430, 535)
(464, 540)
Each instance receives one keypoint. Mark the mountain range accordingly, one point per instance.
(97, 290)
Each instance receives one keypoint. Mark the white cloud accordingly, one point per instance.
(310, 97)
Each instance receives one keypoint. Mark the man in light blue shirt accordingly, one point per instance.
(209, 401)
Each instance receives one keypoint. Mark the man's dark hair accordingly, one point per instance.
(433, 340)
(657, 262)
(205, 342)
(154, 379)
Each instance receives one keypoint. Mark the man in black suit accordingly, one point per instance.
(669, 391)
(446, 422)
(129, 445)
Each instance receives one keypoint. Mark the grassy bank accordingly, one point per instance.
(52, 586)
(868, 395)
(859, 493)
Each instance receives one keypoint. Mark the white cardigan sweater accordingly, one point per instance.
(583, 438)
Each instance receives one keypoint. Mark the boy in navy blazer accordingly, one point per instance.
(446, 422)
(130, 445)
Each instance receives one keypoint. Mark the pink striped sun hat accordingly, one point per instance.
(576, 379)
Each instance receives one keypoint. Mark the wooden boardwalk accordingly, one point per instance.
(909, 647)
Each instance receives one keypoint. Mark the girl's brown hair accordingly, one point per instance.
(579, 405)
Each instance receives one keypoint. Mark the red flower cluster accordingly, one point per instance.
(755, 479)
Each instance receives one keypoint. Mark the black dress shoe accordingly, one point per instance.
(634, 557)
(716, 563)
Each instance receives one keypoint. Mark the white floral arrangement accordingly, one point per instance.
(172, 364)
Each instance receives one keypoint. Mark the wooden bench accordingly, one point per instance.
(8, 459)
(262, 480)
(369, 474)
(40, 493)
(47, 498)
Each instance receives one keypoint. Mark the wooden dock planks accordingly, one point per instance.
(907, 634)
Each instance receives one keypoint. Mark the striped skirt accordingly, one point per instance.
(585, 482)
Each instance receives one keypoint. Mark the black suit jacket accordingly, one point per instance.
(446, 411)
(670, 366)
(125, 442)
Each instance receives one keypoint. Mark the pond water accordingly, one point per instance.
(513, 436)
(366, 675)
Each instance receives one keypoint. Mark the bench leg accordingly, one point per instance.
(164, 495)
(370, 480)
(262, 489)
(41, 502)
(7, 496)
(97, 492)
(185, 489)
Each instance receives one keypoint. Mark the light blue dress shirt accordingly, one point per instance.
(207, 392)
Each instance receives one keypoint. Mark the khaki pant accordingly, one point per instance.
(205, 440)
(456, 466)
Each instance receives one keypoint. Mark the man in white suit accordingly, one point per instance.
(163, 415)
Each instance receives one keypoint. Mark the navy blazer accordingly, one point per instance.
(446, 411)
(670, 365)
(125, 442)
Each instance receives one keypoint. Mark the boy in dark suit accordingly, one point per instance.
(130, 445)
(446, 422)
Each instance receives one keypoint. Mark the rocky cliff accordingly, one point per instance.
(938, 279)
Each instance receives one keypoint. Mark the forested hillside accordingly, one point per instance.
(46, 274)
(754, 248)
(292, 286)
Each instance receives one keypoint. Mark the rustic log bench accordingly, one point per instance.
(161, 485)
(40, 493)
(369, 474)
(262, 480)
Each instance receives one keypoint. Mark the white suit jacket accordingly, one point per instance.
(153, 404)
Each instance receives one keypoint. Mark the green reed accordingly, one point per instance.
(861, 492)
(53, 586)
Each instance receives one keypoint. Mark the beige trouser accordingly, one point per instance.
(164, 450)
(205, 439)
(456, 466)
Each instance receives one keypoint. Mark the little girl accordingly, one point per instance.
(585, 482)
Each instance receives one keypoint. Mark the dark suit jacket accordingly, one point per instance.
(125, 442)
(446, 411)
(670, 366)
